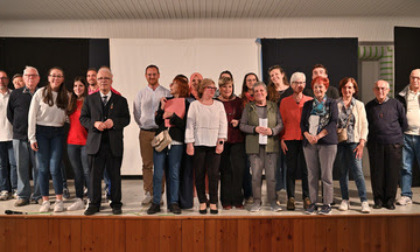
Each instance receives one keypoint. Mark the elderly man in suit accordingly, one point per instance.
(105, 114)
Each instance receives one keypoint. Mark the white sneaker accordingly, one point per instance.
(45, 207)
(404, 200)
(345, 205)
(59, 206)
(4, 195)
(148, 199)
(78, 205)
(365, 207)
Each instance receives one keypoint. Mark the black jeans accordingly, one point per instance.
(385, 165)
(295, 161)
(186, 183)
(205, 158)
(232, 166)
(98, 163)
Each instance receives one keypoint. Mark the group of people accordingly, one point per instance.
(285, 129)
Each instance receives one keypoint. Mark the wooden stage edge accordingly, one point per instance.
(211, 233)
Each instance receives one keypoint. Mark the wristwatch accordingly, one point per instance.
(221, 142)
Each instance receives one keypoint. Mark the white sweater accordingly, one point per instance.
(6, 132)
(206, 124)
(41, 113)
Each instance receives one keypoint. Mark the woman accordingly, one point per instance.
(232, 162)
(170, 116)
(318, 125)
(76, 142)
(194, 80)
(247, 96)
(291, 141)
(205, 136)
(46, 117)
(352, 117)
(262, 123)
(276, 87)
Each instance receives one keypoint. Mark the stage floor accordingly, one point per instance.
(132, 195)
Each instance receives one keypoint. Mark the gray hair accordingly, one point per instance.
(297, 76)
(30, 67)
(260, 83)
(387, 83)
(106, 69)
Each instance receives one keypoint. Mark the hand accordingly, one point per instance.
(261, 130)
(109, 124)
(234, 122)
(219, 148)
(283, 146)
(34, 146)
(162, 102)
(190, 149)
(167, 114)
(359, 151)
(311, 139)
(99, 125)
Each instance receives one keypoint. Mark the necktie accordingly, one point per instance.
(105, 99)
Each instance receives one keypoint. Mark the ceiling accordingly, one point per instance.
(198, 9)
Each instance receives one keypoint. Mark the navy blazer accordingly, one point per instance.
(118, 112)
(331, 127)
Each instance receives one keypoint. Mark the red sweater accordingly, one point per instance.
(291, 113)
(77, 133)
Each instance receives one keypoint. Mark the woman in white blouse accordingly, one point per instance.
(205, 135)
(47, 114)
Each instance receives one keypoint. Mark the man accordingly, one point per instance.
(18, 81)
(145, 105)
(105, 114)
(8, 180)
(17, 114)
(410, 97)
(321, 70)
(387, 122)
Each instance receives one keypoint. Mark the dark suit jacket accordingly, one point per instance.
(92, 111)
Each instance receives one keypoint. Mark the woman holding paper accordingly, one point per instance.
(170, 116)
(262, 123)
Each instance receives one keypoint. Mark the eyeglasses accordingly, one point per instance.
(381, 89)
(211, 88)
(104, 79)
(298, 82)
(56, 76)
(415, 78)
(3, 78)
(31, 75)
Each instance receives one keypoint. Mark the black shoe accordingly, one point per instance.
(174, 208)
(378, 205)
(214, 211)
(154, 208)
(91, 210)
(116, 210)
(390, 206)
(204, 211)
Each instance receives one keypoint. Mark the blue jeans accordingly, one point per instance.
(173, 157)
(25, 157)
(48, 158)
(281, 171)
(345, 153)
(7, 183)
(79, 163)
(411, 150)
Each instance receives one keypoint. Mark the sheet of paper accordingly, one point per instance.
(263, 138)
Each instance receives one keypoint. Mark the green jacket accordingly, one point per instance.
(251, 141)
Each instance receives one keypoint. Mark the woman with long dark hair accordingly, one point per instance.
(47, 114)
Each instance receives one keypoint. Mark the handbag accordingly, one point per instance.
(342, 132)
(161, 140)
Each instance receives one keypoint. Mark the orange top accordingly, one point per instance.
(291, 113)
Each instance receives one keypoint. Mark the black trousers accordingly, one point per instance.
(98, 163)
(295, 161)
(385, 165)
(206, 158)
(232, 166)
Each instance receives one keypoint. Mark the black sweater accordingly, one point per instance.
(177, 132)
(17, 112)
(387, 121)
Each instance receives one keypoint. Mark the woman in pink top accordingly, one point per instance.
(291, 141)
(76, 142)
